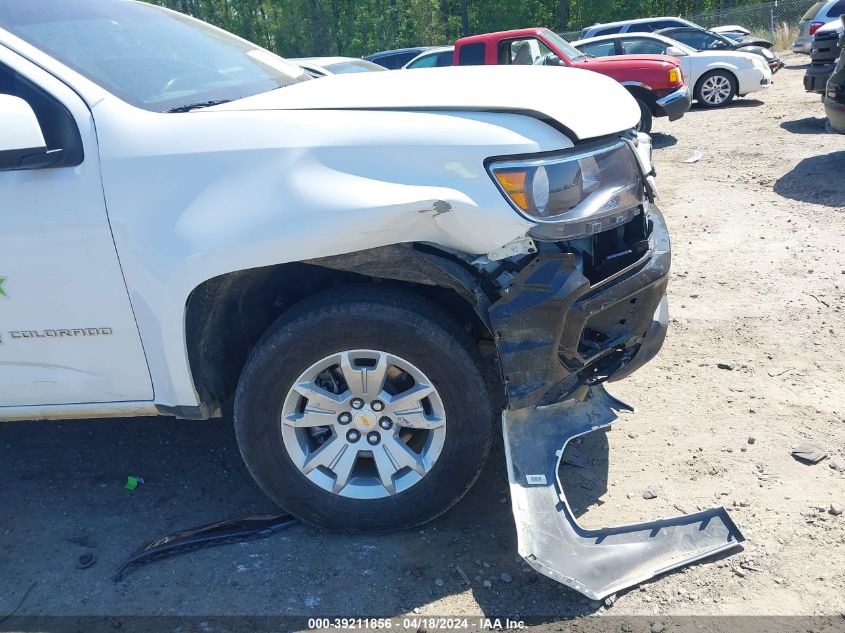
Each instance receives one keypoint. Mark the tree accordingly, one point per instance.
(298, 28)
(563, 14)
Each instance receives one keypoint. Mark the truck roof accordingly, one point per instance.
(501, 34)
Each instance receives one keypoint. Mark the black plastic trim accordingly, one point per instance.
(542, 317)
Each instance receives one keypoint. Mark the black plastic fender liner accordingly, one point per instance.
(603, 561)
(211, 535)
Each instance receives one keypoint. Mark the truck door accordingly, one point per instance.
(67, 331)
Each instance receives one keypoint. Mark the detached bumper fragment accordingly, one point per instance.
(598, 562)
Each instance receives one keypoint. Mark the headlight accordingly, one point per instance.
(675, 77)
(578, 192)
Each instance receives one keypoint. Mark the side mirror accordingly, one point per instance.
(674, 51)
(22, 143)
(553, 60)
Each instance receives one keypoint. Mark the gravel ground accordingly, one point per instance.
(758, 227)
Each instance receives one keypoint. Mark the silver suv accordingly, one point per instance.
(816, 17)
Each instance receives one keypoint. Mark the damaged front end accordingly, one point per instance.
(578, 301)
(578, 313)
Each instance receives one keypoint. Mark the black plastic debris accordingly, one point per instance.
(211, 535)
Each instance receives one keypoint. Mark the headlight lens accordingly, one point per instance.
(576, 193)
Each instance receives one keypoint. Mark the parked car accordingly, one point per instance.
(817, 16)
(716, 76)
(370, 267)
(745, 38)
(325, 66)
(834, 98)
(656, 82)
(703, 40)
(714, 39)
(648, 25)
(436, 57)
(827, 44)
(731, 29)
(395, 59)
(641, 25)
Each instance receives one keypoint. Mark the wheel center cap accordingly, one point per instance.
(365, 420)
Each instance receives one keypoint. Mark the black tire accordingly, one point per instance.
(721, 74)
(645, 117)
(364, 317)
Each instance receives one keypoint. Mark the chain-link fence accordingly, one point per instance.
(777, 21)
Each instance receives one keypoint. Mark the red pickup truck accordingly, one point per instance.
(655, 81)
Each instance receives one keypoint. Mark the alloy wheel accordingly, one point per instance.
(716, 89)
(363, 424)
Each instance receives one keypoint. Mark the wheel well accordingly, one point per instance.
(643, 94)
(226, 316)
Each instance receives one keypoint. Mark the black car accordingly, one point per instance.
(747, 40)
(704, 40)
(834, 96)
(395, 59)
(827, 45)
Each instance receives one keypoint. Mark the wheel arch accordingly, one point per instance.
(643, 92)
(226, 315)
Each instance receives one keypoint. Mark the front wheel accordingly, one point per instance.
(716, 88)
(364, 411)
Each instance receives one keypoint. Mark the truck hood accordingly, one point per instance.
(586, 103)
(632, 60)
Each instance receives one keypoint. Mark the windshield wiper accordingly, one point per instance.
(196, 106)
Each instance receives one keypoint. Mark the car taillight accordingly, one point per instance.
(675, 77)
(815, 26)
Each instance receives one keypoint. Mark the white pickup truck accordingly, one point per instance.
(368, 267)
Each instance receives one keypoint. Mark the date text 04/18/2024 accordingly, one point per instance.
(416, 623)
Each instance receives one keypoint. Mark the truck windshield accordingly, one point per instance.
(155, 59)
(563, 46)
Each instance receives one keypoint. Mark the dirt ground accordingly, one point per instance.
(758, 285)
